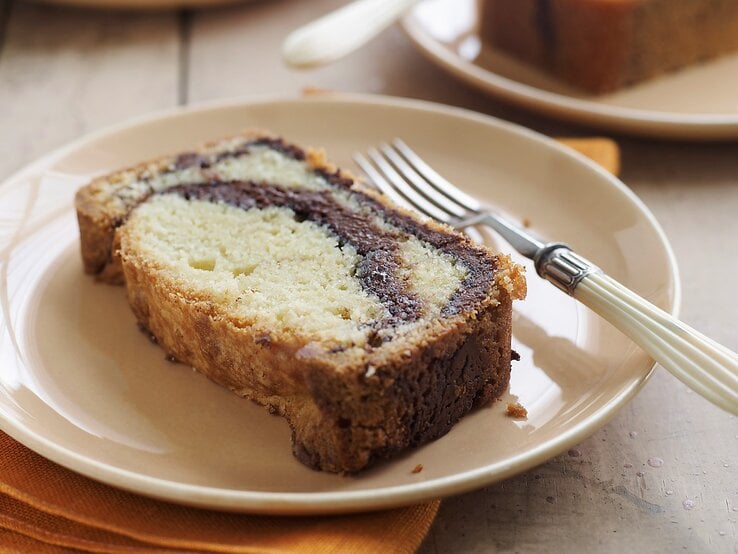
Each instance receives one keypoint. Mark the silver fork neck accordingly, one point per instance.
(559, 264)
(519, 239)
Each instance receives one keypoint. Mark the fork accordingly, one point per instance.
(705, 366)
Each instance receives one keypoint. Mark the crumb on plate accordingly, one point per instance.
(418, 468)
(516, 409)
(312, 90)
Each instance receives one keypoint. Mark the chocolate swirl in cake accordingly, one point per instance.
(481, 268)
(191, 159)
(378, 271)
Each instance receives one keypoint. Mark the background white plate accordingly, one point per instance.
(82, 386)
(699, 102)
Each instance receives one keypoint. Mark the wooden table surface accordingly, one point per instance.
(65, 72)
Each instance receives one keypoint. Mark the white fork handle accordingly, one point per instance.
(341, 32)
(702, 364)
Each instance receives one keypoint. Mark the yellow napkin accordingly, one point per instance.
(602, 150)
(45, 508)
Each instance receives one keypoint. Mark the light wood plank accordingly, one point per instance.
(65, 72)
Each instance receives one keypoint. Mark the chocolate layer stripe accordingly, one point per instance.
(481, 268)
(379, 269)
(203, 161)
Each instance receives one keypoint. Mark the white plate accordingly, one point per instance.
(83, 387)
(699, 102)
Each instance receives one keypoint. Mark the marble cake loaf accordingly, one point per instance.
(604, 45)
(280, 277)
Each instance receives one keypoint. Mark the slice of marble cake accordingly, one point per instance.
(282, 278)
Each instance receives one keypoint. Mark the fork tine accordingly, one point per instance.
(431, 176)
(418, 202)
(380, 182)
(421, 184)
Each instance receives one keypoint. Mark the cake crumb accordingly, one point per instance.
(149, 334)
(526, 222)
(312, 90)
(418, 468)
(516, 409)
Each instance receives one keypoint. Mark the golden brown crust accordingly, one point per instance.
(96, 234)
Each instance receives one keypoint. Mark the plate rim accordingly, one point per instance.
(314, 503)
(669, 125)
